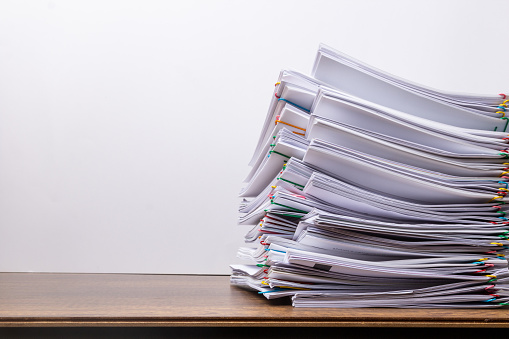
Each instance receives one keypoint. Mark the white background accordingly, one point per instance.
(126, 126)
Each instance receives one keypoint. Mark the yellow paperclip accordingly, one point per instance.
(504, 189)
(503, 113)
(497, 197)
(505, 101)
(496, 243)
(294, 288)
(277, 83)
(482, 259)
(491, 276)
(503, 173)
(264, 283)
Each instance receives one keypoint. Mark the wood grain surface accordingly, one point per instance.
(44, 299)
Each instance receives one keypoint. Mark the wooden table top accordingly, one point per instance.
(69, 300)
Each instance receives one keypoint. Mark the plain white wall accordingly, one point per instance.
(126, 126)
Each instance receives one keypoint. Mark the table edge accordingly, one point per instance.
(85, 322)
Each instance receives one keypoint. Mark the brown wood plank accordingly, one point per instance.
(44, 299)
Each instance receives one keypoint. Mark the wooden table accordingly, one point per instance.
(133, 300)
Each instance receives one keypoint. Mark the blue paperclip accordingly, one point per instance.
(291, 103)
(270, 249)
(274, 290)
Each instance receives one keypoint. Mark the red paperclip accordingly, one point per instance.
(502, 94)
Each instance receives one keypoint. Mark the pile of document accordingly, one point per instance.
(368, 190)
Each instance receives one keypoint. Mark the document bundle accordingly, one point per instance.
(368, 190)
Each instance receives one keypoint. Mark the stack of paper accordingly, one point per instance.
(367, 190)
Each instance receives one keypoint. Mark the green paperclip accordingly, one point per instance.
(291, 182)
(281, 154)
(293, 208)
(506, 122)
